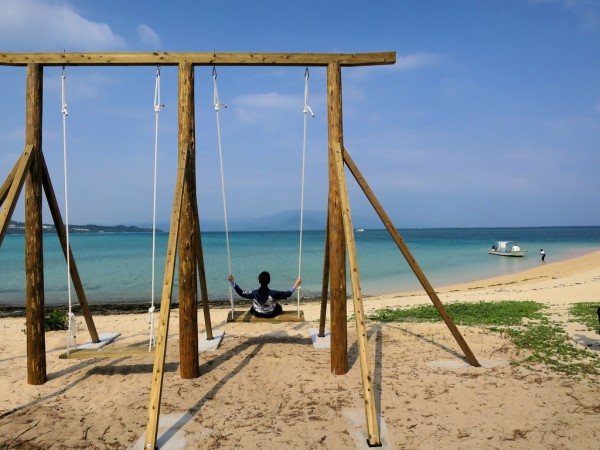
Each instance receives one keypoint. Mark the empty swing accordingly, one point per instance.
(306, 110)
(104, 338)
(157, 107)
(248, 316)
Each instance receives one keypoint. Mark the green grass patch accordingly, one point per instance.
(56, 320)
(507, 313)
(525, 323)
(586, 313)
(550, 345)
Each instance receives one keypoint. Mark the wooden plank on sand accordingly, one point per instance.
(285, 316)
(106, 352)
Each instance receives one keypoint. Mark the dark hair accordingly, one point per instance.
(264, 278)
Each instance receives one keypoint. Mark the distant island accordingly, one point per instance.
(280, 221)
(15, 227)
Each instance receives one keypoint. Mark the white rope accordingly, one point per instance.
(307, 109)
(157, 107)
(72, 329)
(218, 105)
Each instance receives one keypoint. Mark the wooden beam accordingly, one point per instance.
(188, 286)
(412, 262)
(34, 248)
(337, 252)
(8, 182)
(359, 314)
(62, 237)
(15, 189)
(197, 58)
(165, 306)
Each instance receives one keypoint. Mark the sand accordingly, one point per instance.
(267, 387)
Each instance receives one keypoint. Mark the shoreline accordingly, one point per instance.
(545, 272)
(447, 256)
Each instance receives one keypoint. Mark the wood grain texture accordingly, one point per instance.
(197, 58)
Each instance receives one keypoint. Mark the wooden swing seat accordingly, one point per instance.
(246, 316)
(108, 352)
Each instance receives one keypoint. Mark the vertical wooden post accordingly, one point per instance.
(34, 256)
(337, 253)
(188, 289)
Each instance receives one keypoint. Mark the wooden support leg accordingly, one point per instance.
(14, 189)
(410, 259)
(325, 288)
(62, 236)
(361, 330)
(8, 182)
(202, 275)
(165, 309)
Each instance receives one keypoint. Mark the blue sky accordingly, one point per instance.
(490, 117)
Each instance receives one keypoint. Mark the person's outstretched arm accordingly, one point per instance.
(240, 292)
(280, 295)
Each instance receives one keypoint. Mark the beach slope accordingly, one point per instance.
(267, 387)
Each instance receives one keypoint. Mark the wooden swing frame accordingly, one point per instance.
(184, 234)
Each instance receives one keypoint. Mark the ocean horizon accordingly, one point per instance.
(116, 267)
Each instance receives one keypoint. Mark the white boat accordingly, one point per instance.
(360, 230)
(507, 248)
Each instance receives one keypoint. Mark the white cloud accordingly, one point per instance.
(270, 100)
(90, 85)
(587, 11)
(413, 61)
(251, 108)
(418, 61)
(80, 84)
(42, 25)
(147, 35)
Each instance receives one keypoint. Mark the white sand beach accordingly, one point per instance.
(267, 387)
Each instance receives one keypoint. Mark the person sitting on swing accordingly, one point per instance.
(264, 299)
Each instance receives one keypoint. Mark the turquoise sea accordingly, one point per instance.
(117, 267)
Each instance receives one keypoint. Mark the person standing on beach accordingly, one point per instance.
(542, 254)
(264, 300)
